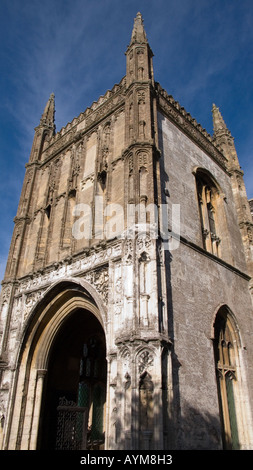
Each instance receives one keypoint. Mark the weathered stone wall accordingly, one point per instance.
(198, 284)
(180, 158)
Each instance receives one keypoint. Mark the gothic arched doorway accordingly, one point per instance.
(72, 414)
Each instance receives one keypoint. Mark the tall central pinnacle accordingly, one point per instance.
(139, 55)
(138, 34)
(139, 81)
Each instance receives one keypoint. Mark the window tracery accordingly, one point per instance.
(208, 200)
(225, 350)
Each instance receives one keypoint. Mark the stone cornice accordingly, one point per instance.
(179, 116)
(143, 337)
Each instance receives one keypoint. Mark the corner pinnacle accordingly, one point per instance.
(218, 121)
(138, 33)
(47, 118)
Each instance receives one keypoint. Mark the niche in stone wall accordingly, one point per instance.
(104, 155)
(69, 218)
(144, 260)
(91, 153)
(144, 285)
(143, 183)
(43, 234)
(146, 409)
(102, 177)
(140, 64)
(141, 113)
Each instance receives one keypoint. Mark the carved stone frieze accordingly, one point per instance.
(59, 143)
(99, 279)
(93, 268)
(30, 300)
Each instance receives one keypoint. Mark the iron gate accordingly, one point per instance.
(72, 423)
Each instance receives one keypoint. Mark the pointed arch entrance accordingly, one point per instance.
(73, 404)
(62, 361)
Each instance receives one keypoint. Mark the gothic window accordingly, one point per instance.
(225, 352)
(208, 200)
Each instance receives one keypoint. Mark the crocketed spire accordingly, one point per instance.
(218, 121)
(138, 34)
(47, 118)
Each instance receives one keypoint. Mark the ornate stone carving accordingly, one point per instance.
(30, 301)
(17, 310)
(6, 292)
(143, 242)
(100, 280)
(145, 361)
(142, 158)
(128, 251)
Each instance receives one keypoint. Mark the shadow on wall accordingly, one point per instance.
(188, 429)
(198, 431)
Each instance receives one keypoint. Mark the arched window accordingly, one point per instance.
(208, 200)
(226, 354)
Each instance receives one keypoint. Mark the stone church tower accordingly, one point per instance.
(126, 313)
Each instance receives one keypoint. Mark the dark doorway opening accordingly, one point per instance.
(73, 405)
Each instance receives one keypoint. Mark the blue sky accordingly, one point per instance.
(203, 54)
